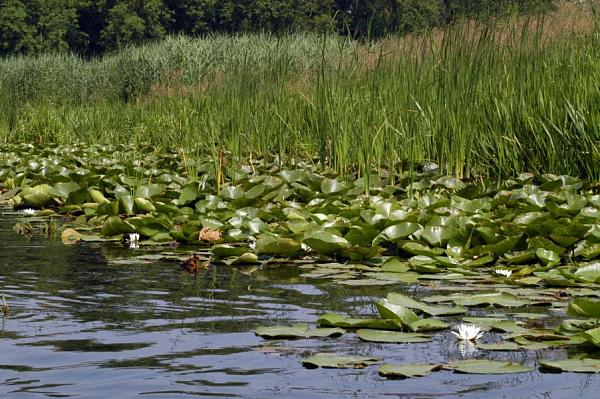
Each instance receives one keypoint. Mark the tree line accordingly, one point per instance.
(92, 27)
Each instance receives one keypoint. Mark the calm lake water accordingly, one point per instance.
(84, 326)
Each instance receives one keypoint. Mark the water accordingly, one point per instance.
(82, 326)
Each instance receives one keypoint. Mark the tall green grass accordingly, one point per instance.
(478, 100)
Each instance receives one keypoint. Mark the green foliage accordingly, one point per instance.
(532, 105)
(95, 26)
(16, 35)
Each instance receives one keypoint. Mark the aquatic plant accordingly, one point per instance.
(468, 332)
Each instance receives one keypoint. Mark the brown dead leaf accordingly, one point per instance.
(209, 235)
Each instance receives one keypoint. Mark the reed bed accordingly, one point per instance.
(492, 100)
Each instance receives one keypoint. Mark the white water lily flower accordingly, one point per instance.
(133, 240)
(468, 332)
(503, 272)
(28, 212)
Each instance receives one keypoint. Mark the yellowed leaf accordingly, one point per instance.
(209, 235)
(70, 236)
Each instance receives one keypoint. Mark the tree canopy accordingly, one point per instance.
(91, 27)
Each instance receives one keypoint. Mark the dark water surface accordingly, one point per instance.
(82, 326)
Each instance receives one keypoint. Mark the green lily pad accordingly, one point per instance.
(491, 298)
(278, 246)
(325, 243)
(480, 366)
(227, 250)
(416, 248)
(585, 307)
(37, 196)
(329, 186)
(500, 346)
(115, 225)
(535, 343)
(592, 336)
(428, 325)
(335, 320)
(572, 365)
(390, 311)
(396, 232)
(406, 301)
(499, 324)
(327, 360)
(407, 370)
(297, 331)
(391, 336)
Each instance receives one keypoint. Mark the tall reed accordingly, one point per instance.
(492, 100)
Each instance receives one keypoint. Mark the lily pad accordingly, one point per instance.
(297, 331)
(585, 307)
(407, 370)
(572, 365)
(406, 301)
(500, 346)
(480, 366)
(592, 336)
(325, 243)
(327, 360)
(335, 320)
(391, 336)
(388, 310)
(490, 298)
(428, 325)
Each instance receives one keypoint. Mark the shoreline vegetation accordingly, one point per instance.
(460, 164)
(478, 99)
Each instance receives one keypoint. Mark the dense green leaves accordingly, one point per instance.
(32, 26)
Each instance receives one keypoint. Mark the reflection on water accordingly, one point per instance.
(83, 327)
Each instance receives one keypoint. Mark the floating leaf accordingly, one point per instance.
(329, 186)
(297, 331)
(37, 196)
(70, 236)
(585, 307)
(500, 346)
(391, 336)
(480, 366)
(407, 370)
(278, 246)
(325, 243)
(327, 360)
(490, 298)
(546, 256)
(227, 250)
(592, 336)
(428, 325)
(572, 365)
(406, 301)
(335, 320)
(388, 310)
(396, 232)
(115, 225)
(209, 235)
